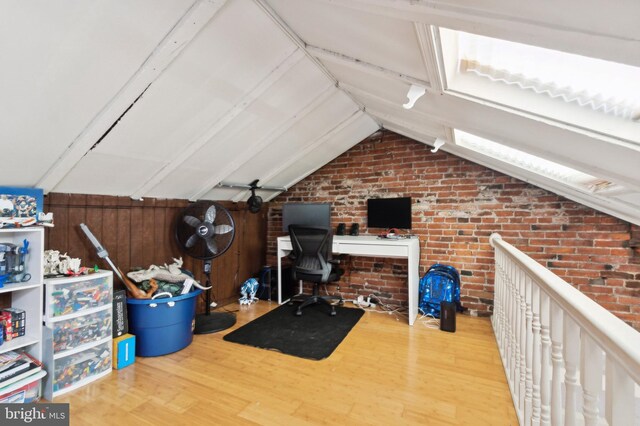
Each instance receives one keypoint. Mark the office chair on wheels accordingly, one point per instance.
(313, 263)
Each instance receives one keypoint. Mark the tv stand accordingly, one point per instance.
(371, 246)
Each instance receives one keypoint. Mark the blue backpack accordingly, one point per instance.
(440, 283)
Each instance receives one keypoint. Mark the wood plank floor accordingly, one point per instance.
(383, 373)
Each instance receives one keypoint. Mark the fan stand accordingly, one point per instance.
(211, 322)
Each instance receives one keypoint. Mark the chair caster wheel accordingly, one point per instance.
(333, 312)
(298, 313)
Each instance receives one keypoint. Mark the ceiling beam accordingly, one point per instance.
(292, 159)
(350, 62)
(431, 55)
(384, 116)
(203, 138)
(491, 10)
(183, 32)
(254, 148)
(295, 38)
(551, 27)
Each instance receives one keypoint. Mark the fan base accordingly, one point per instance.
(213, 322)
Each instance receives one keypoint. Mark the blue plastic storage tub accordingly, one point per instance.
(162, 325)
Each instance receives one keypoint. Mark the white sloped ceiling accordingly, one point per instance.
(170, 98)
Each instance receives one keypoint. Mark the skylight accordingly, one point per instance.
(586, 92)
(603, 86)
(532, 163)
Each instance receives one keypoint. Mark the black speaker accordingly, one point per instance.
(355, 229)
(448, 316)
(341, 229)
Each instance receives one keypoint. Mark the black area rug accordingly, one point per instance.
(314, 335)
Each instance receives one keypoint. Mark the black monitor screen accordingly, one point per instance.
(389, 213)
(306, 214)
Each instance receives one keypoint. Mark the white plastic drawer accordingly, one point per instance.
(79, 368)
(81, 330)
(68, 296)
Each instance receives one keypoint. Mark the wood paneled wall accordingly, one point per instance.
(141, 233)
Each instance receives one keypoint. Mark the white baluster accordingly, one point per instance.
(528, 398)
(503, 301)
(557, 415)
(592, 382)
(523, 340)
(510, 348)
(620, 395)
(571, 351)
(516, 331)
(545, 373)
(535, 307)
(497, 284)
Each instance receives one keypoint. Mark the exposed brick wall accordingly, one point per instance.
(457, 204)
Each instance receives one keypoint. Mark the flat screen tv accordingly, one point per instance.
(306, 214)
(389, 213)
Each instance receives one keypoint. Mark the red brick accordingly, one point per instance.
(461, 204)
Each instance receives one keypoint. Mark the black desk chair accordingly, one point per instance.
(313, 263)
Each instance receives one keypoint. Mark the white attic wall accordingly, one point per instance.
(190, 97)
(61, 64)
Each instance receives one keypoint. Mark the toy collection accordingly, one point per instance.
(20, 207)
(60, 264)
(76, 367)
(12, 263)
(74, 297)
(80, 331)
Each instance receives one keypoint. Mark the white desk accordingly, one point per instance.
(365, 245)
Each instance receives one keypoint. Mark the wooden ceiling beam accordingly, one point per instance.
(350, 62)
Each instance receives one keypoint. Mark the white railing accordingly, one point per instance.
(567, 359)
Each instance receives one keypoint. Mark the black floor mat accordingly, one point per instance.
(314, 335)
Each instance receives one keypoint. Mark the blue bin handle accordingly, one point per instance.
(165, 293)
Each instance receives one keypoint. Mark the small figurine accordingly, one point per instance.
(248, 291)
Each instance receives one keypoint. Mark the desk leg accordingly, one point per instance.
(413, 272)
(279, 255)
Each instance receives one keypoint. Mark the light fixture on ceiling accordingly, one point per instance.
(437, 144)
(414, 93)
(254, 203)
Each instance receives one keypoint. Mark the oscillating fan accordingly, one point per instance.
(205, 230)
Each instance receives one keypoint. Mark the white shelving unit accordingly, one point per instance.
(78, 332)
(28, 296)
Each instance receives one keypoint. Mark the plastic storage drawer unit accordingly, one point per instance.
(77, 337)
(66, 296)
(75, 370)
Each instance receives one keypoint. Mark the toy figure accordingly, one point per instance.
(248, 291)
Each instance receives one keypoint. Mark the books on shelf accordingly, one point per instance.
(15, 366)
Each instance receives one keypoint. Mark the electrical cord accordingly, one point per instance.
(429, 321)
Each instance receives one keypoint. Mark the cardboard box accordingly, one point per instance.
(120, 323)
(124, 351)
(18, 320)
(20, 202)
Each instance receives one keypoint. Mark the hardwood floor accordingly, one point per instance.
(383, 373)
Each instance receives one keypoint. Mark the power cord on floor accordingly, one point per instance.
(382, 308)
(429, 321)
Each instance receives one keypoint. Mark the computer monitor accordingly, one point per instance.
(306, 214)
(389, 213)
